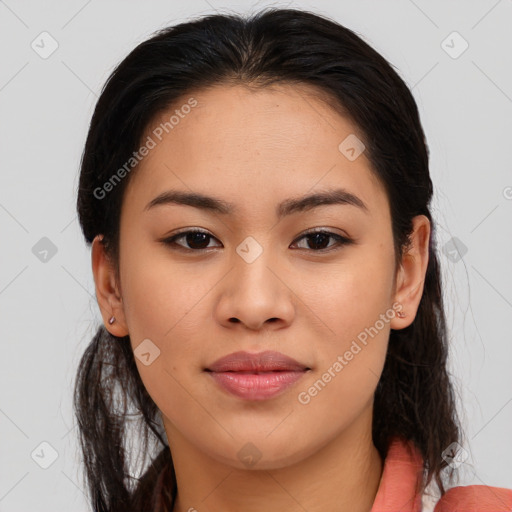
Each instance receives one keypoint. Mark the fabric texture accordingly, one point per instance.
(399, 488)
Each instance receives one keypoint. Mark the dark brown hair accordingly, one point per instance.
(414, 397)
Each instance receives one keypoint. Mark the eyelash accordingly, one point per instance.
(340, 240)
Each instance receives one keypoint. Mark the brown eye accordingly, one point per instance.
(318, 241)
(196, 240)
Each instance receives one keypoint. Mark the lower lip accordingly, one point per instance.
(256, 386)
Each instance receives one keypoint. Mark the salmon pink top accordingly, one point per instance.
(401, 477)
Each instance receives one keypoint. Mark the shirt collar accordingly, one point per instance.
(400, 485)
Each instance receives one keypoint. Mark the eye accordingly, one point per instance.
(197, 240)
(318, 239)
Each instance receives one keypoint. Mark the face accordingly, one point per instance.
(256, 278)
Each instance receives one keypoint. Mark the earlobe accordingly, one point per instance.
(411, 275)
(109, 299)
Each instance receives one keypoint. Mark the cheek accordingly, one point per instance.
(166, 304)
(349, 360)
(352, 308)
(345, 299)
(163, 313)
(339, 393)
(162, 298)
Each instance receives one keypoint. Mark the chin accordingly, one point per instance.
(262, 453)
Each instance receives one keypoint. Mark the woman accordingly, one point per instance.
(256, 194)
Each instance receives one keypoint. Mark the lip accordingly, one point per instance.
(258, 376)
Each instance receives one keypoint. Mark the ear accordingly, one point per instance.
(109, 299)
(410, 277)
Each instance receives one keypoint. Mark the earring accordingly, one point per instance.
(401, 314)
(111, 320)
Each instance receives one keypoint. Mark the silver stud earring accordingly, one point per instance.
(111, 320)
(401, 314)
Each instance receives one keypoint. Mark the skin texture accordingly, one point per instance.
(256, 149)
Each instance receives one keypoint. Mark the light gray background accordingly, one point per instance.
(48, 309)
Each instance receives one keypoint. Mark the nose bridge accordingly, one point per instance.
(254, 293)
(251, 261)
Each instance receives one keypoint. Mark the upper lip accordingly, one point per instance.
(261, 361)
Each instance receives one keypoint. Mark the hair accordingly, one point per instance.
(414, 398)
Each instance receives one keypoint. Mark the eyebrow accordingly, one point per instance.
(337, 196)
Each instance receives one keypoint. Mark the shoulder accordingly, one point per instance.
(475, 498)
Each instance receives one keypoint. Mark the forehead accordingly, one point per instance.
(283, 140)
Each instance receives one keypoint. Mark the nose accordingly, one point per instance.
(256, 294)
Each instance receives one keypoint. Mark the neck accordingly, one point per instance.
(342, 476)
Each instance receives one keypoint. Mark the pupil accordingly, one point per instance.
(318, 238)
(194, 239)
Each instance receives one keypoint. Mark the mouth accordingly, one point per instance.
(256, 376)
